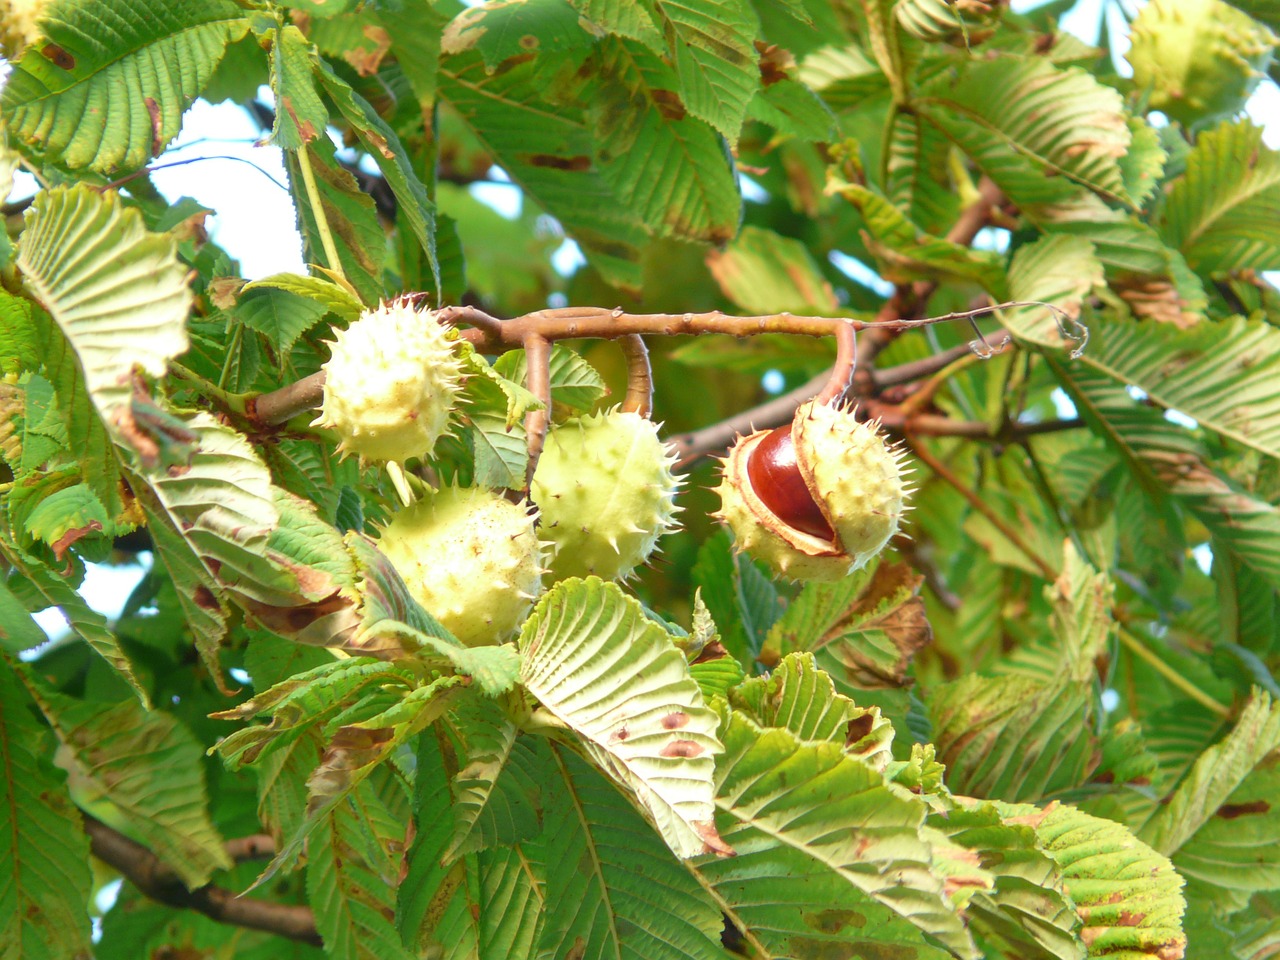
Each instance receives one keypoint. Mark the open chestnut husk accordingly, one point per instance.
(816, 498)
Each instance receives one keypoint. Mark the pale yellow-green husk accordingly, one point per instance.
(606, 493)
(1198, 60)
(391, 384)
(853, 476)
(471, 558)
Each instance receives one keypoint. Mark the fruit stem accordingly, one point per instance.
(537, 352)
(639, 397)
(317, 211)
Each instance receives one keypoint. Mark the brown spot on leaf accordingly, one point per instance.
(676, 720)
(1229, 811)
(669, 104)
(529, 42)
(858, 728)
(578, 950)
(203, 598)
(574, 164)
(306, 129)
(682, 748)
(58, 57)
(157, 125)
(620, 734)
(367, 60)
(833, 921)
(64, 542)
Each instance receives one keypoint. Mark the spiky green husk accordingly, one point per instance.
(606, 491)
(471, 558)
(18, 25)
(853, 476)
(1200, 59)
(391, 384)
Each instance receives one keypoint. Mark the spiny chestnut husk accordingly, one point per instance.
(814, 499)
(606, 491)
(1198, 59)
(471, 558)
(391, 384)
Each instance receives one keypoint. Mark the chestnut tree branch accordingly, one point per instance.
(153, 879)
(984, 508)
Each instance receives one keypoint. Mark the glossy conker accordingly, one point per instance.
(775, 476)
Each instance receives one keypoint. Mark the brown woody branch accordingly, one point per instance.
(153, 879)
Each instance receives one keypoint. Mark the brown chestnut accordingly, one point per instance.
(776, 478)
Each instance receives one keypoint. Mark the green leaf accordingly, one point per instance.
(865, 628)
(608, 871)
(71, 512)
(1025, 736)
(1027, 909)
(351, 216)
(801, 810)
(715, 678)
(45, 886)
(1221, 820)
(742, 599)
(86, 622)
(506, 112)
(944, 20)
(624, 18)
(116, 290)
(500, 451)
(278, 315)
(382, 144)
(18, 629)
(352, 754)
(1049, 132)
(672, 169)
(300, 115)
(799, 697)
(211, 521)
(1059, 270)
(496, 788)
(1166, 458)
(107, 89)
(649, 731)
(1128, 895)
(904, 253)
(499, 31)
(710, 44)
(1223, 212)
(575, 383)
(763, 273)
(1222, 375)
(304, 701)
(141, 772)
(352, 875)
(335, 299)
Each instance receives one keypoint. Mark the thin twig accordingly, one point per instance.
(153, 879)
(984, 508)
(537, 351)
(639, 395)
